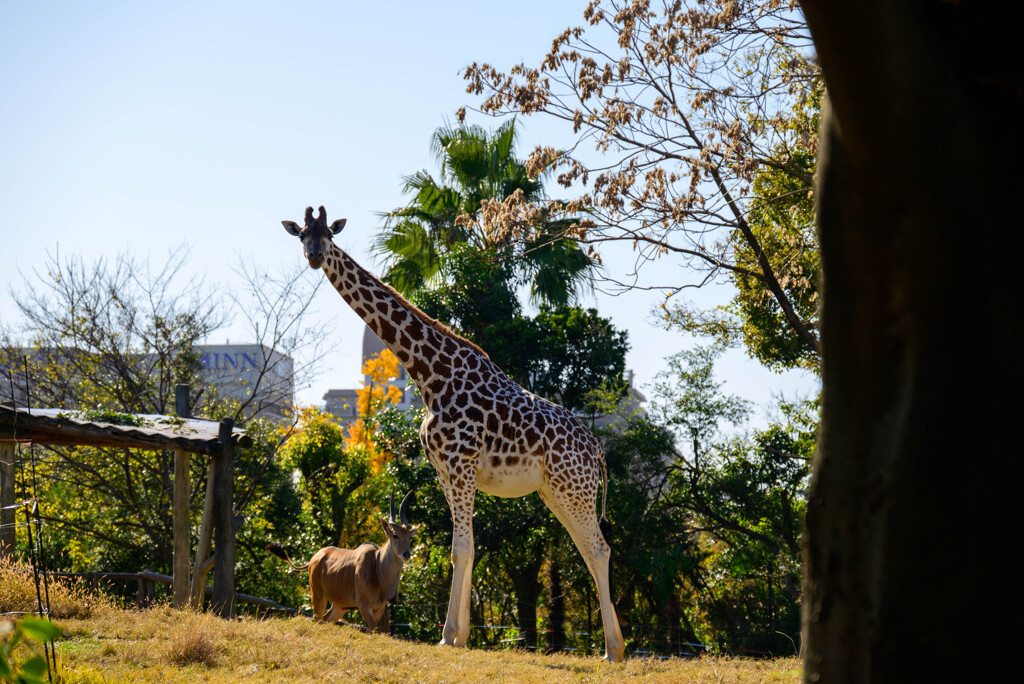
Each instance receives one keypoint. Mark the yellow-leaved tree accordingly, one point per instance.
(375, 394)
(338, 492)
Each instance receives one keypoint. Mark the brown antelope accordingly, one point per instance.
(365, 578)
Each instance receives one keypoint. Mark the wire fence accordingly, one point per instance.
(645, 641)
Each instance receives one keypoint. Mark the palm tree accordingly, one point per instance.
(477, 166)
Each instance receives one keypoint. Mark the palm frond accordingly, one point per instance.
(560, 270)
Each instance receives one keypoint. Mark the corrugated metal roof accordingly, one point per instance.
(71, 428)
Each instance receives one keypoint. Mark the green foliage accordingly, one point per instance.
(708, 520)
(657, 564)
(419, 241)
(477, 297)
(112, 417)
(332, 478)
(689, 399)
(572, 352)
(782, 218)
(781, 221)
(745, 495)
(266, 494)
(33, 670)
(561, 354)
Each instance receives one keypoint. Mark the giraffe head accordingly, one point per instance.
(399, 534)
(315, 235)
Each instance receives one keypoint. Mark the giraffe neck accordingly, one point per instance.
(424, 347)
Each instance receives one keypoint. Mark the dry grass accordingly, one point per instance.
(106, 644)
(169, 646)
(68, 598)
(193, 644)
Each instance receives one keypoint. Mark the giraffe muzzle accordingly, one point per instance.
(316, 261)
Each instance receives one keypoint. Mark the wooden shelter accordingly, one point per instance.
(183, 436)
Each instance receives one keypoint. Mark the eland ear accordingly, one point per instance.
(337, 226)
(292, 227)
(387, 528)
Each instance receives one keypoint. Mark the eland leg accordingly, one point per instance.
(319, 601)
(582, 525)
(371, 618)
(334, 614)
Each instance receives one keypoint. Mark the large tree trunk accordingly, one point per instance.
(917, 480)
(527, 590)
(556, 604)
(671, 612)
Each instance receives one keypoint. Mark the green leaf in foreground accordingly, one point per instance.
(39, 629)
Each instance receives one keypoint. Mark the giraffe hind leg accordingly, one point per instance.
(582, 524)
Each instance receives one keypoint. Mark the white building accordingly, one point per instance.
(341, 403)
(251, 373)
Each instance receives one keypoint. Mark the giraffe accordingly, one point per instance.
(481, 430)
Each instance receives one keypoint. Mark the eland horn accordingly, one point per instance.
(391, 516)
(402, 509)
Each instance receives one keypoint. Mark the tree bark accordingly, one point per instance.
(8, 454)
(223, 600)
(918, 472)
(527, 590)
(204, 543)
(556, 605)
(182, 522)
(674, 631)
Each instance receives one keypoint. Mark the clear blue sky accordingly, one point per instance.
(145, 126)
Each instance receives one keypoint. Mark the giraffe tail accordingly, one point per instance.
(604, 523)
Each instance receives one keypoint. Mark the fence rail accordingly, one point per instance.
(147, 580)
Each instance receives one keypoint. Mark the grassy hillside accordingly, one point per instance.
(104, 643)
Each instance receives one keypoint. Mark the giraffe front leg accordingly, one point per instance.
(462, 634)
(460, 494)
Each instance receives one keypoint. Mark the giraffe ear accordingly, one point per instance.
(292, 227)
(337, 226)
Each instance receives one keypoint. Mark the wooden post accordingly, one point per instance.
(7, 529)
(182, 522)
(204, 543)
(223, 601)
(147, 590)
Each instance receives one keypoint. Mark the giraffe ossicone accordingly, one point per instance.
(481, 430)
